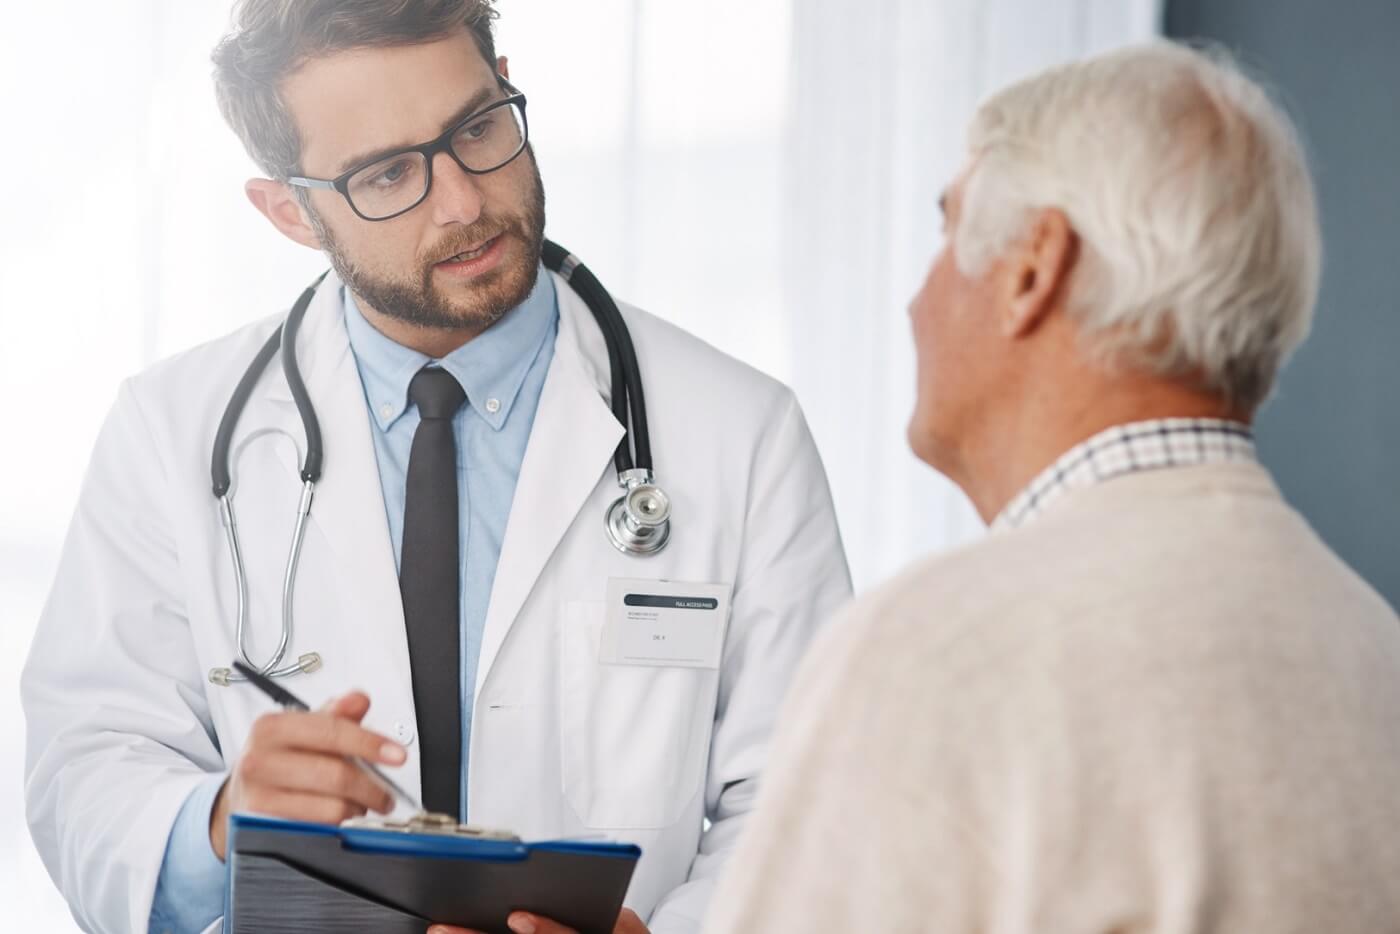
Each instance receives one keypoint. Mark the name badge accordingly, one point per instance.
(664, 623)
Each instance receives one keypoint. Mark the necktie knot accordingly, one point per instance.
(436, 392)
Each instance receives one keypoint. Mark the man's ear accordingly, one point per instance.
(276, 202)
(1038, 270)
(503, 67)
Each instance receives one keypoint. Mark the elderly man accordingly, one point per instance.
(1152, 699)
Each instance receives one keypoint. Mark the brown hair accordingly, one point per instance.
(272, 38)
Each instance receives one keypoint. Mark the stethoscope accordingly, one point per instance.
(637, 523)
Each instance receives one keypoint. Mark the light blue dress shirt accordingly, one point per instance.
(503, 373)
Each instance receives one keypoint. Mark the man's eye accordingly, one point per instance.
(477, 131)
(392, 174)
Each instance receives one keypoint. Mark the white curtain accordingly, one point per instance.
(882, 93)
(764, 174)
(768, 178)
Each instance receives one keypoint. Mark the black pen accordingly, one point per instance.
(290, 701)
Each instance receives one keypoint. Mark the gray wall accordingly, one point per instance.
(1332, 433)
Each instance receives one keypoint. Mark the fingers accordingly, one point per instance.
(309, 773)
(352, 706)
(630, 923)
(295, 766)
(318, 732)
(519, 923)
(523, 923)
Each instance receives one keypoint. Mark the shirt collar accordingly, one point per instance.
(1146, 445)
(491, 367)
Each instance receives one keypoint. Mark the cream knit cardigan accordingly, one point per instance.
(1164, 706)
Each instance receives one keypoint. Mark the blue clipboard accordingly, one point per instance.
(288, 876)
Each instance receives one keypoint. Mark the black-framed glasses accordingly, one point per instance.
(397, 183)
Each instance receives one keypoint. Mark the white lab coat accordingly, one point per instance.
(123, 722)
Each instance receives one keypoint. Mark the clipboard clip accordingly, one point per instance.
(430, 822)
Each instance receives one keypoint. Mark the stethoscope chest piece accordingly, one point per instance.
(639, 521)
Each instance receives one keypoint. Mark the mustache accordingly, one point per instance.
(468, 238)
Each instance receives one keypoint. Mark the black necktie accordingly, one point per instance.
(430, 587)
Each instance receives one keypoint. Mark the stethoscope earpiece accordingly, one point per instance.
(306, 664)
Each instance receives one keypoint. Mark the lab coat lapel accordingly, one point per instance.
(569, 452)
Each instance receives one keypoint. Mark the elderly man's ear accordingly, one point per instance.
(1036, 273)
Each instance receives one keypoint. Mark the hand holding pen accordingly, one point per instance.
(312, 766)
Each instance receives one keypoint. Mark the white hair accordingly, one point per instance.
(1200, 251)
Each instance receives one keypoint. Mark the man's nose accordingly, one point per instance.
(455, 197)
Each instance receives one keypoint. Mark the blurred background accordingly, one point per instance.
(764, 174)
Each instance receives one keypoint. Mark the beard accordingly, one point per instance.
(414, 299)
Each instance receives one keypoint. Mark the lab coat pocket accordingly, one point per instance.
(634, 738)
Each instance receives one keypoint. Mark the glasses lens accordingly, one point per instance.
(490, 140)
(389, 186)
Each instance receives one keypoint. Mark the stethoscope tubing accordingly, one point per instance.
(223, 438)
(282, 339)
(632, 457)
(315, 453)
(628, 398)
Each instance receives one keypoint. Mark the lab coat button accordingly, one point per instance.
(403, 732)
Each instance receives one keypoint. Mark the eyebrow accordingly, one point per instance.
(473, 104)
